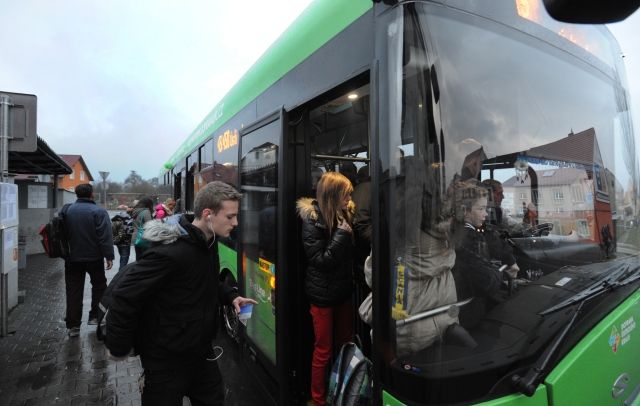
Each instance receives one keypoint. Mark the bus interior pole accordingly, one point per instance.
(4, 168)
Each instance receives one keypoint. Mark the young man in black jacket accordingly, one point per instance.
(166, 306)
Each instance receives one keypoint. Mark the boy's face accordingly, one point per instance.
(226, 219)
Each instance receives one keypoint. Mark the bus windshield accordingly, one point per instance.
(509, 184)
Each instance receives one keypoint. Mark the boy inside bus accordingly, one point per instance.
(478, 260)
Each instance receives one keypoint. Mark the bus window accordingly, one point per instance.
(496, 210)
(223, 164)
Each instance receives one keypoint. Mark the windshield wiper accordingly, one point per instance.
(622, 276)
(625, 275)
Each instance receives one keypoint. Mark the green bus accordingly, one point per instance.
(406, 99)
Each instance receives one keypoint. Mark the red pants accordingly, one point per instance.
(330, 324)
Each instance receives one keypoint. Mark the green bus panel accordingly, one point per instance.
(228, 259)
(587, 374)
(539, 398)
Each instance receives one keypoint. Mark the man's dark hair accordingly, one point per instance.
(212, 195)
(84, 190)
(145, 203)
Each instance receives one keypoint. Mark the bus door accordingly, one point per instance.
(330, 133)
(261, 251)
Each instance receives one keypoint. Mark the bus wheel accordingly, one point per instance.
(231, 322)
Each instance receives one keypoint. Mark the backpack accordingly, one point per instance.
(55, 239)
(117, 228)
(122, 228)
(350, 381)
(105, 301)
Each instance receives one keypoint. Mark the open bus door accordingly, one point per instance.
(328, 133)
(265, 213)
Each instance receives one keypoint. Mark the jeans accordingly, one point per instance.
(200, 382)
(74, 275)
(124, 251)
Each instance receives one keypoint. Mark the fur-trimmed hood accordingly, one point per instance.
(309, 210)
(164, 231)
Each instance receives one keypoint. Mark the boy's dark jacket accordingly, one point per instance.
(329, 278)
(166, 306)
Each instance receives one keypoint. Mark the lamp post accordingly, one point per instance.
(104, 176)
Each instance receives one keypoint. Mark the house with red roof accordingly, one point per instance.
(80, 173)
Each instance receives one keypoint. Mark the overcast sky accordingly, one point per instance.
(123, 82)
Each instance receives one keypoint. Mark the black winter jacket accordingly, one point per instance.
(475, 275)
(329, 279)
(166, 306)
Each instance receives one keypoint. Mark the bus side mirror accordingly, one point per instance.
(590, 11)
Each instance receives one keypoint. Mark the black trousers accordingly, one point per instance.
(74, 275)
(201, 382)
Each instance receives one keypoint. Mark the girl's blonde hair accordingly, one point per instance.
(331, 190)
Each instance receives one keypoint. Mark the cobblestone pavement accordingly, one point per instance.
(41, 365)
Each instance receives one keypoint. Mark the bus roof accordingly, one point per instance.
(317, 24)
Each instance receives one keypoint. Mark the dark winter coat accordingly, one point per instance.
(89, 229)
(329, 279)
(166, 306)
(474, 273)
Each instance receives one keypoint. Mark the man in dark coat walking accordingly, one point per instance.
(91, 242)
(166, 305)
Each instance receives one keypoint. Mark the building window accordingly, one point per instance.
(558, 194)
(72, 176)
(81, 175)
(582, 228)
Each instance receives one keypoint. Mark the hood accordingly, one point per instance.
(308, 209)
(164, 232)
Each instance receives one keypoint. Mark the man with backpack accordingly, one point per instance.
(166, 304)
(89, 233)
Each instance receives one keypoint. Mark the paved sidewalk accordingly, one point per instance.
(41, 365)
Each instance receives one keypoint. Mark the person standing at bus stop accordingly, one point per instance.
(142, 213)
(166, 305)
(91, 242)
(328, 245)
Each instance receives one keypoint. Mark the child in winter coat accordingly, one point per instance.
(165, 209)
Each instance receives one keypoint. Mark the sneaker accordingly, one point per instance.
(93, 321)
(73, 331)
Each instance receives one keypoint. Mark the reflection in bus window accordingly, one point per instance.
(258, 222)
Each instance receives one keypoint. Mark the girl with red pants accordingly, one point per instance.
(328, 245)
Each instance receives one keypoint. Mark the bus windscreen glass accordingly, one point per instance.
(510, 185)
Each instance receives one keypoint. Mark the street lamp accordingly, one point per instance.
(104, 176)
